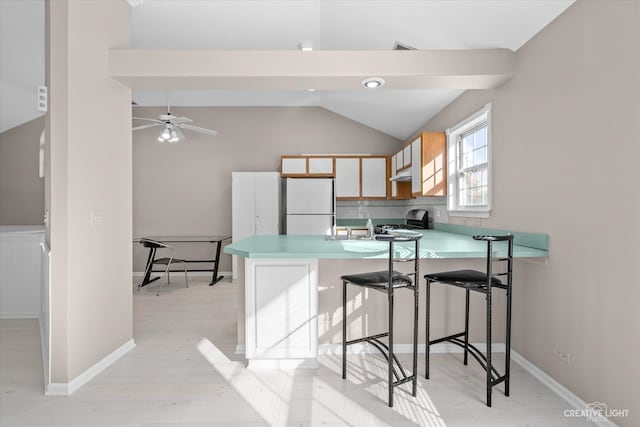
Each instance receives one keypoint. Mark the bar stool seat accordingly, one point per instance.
(387, 281)
(482, 282)
(378, 279)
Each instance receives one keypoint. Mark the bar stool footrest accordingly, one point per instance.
(474, 351)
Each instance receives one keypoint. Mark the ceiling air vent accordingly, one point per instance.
(402, 46)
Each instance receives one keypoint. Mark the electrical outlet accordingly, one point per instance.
(561, 354)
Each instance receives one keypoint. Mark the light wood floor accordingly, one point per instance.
(183, 372)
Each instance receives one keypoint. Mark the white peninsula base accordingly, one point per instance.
(281, 313)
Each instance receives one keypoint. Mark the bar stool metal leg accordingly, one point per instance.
(426, 339)
(391, 355)
(466, 328)
(415, 340)
(344, 330)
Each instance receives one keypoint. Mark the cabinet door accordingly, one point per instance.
(374, 177)
(407, 154)
(348, 177)
(321, 166)
(267, 203)
(394, 185)
(399, 160)
(243, 205)
(416, 166)
(294, 166)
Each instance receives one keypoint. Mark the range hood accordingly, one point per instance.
(403, 175)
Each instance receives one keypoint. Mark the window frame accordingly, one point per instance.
(454, 207)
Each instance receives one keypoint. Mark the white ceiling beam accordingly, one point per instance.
(322, 70)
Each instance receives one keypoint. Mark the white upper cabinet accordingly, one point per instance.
(374, 177)
(294, 166)
(348, 177)
(320, 165)
(407, 155)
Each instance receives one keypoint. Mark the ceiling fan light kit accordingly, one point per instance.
(172, 127)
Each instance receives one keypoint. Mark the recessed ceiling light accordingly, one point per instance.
(311, 90)
(373, 82)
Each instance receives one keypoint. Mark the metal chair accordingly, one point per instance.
(387, 281)
(483, 282)
(153, 247)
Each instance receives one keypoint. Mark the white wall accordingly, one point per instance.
(88, 170)
(565, 163)
(185, 188)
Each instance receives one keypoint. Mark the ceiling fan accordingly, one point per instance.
(172, 126)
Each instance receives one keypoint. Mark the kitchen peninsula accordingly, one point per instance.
(290, 301)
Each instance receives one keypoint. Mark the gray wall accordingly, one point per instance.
(185, 188)
(566, 157)
(21, 189)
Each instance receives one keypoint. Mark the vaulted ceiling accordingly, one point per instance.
(340, 25)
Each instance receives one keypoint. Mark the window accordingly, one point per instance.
(469, 168)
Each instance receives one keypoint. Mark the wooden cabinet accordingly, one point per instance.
(361, 177)
(428, 176)
(416, 151)
(307, 166)
(394, 184)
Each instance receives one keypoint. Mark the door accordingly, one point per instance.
(267, 203)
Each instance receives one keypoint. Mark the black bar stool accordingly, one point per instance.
(387, 281)
(483, 282)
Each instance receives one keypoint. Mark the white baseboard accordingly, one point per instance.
(66, 389)
(555, 386)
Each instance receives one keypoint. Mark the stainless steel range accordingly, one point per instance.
(416, 219)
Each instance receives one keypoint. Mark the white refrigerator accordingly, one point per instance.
(310, 206)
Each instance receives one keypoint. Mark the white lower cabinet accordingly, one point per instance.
(281, 309)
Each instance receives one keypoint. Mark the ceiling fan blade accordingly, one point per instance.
(180, 120)
(150, 120)
(146, 126)
(198, 129)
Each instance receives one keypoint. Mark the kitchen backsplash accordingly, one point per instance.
(437, 207)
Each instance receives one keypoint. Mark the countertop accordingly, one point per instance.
(434, 244)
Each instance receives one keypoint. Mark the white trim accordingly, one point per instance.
(470, 214)
(282, 363)
(469, 121)
(555, 386)
(453, 204)
(66, 389)
(43, 347)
